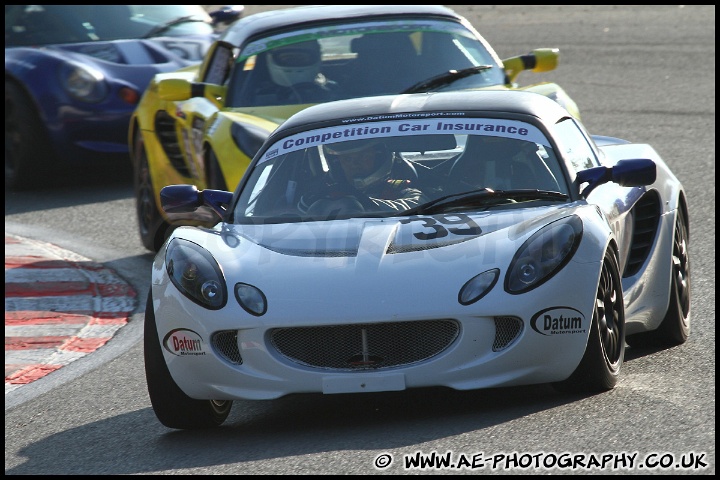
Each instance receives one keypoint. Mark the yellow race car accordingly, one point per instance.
(202, 125)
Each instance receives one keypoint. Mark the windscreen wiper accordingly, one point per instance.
(164, 27)
(482, 195)
(445, 78)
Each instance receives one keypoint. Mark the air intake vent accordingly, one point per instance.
(507, 329)
(646, 215)
(165, 131)
(366, 346)
(225, 344)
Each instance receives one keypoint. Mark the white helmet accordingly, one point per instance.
(294, 64)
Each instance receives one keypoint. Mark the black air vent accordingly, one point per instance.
(226, 345)
(366, 346)
(165, 131)
(646, 215)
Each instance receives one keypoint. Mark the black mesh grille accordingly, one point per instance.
(507, 329)
(365, 346)
(226, 345)
(646, 215)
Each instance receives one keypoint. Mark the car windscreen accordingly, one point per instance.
(382, 168)
(36, 25)
(349, 60)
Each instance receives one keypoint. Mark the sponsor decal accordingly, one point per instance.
(183, 342)
(407, 127)
(179, 112)
(271, 153)
(558, 321)
(197, 140)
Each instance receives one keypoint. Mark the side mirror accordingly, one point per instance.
(227, 14)
(174, 89)
(185, 203)
(626, 173)
(179, 89)
(538, 61)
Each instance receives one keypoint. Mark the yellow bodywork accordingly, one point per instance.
(201, 123)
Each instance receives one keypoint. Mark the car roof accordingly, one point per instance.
(251, 25)
(480, 101)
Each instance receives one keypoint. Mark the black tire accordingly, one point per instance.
(600, 366)
(675, 327)
(27, 146)
(151, 225)
(215, 178)
(172, 407)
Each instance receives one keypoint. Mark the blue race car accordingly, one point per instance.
(74, 74)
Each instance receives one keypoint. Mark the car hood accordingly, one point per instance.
(336, 267)
(175, 51)
(388, 236)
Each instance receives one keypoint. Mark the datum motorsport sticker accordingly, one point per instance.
(558, 321)
(183, 342)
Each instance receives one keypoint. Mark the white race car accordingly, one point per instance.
(467, 240)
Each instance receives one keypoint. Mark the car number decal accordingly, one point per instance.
(187, 50)
(436, 225)
(188, 154)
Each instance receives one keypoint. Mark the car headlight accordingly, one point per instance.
(83, 83)
(544, 254)
(478, 286)
(196, 274)
(251, 298)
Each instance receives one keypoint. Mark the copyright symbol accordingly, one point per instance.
(383, 461)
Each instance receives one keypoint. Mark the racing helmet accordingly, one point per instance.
(351, 158)
(293, 64)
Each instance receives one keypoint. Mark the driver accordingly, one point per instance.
(295, 69)
(368, 171)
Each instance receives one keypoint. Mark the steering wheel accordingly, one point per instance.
(335, 206)
(308, 92)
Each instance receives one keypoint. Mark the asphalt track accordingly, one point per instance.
(59, 307)
(644, 73)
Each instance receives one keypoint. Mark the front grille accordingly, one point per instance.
(225, 344)
(507, 329)
(365, 346)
